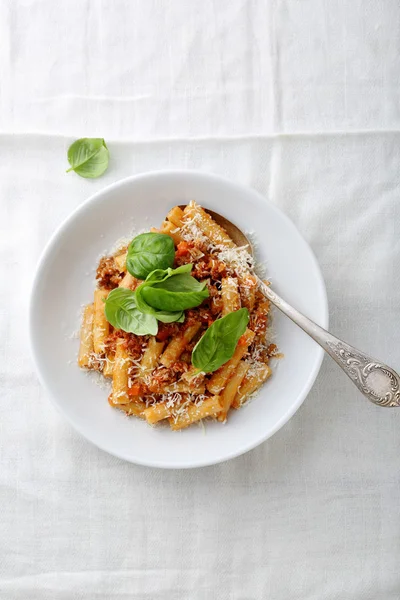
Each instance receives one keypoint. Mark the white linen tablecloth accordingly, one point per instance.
(299, 99)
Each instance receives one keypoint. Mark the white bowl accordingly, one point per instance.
(65, 281)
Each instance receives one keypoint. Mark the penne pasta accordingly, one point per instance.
(248, 288)
(209, 408)
(101, 327)
(178, 344)
(220, 377)
(129, 281)
(250, 384)
(182, 387)
(122, 364)
(150, 357)
(120, 261)
(109, 365)
(230, 295)
(175, 216)
(157, 412)
(86, 337)
(192, 375)
(171, 230)
(135, 407)
(207, 225)
(231, 389)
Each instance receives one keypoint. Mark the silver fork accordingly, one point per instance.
(378, 382)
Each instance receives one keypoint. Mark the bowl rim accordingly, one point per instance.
(47, 250)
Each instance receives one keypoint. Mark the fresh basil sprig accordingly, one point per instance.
(170, 291)
(122, 312)
(175, 290)
(160, 315)
(178, 292)
(150, 251)
(219, 342)
(160, 275)
(88, 157)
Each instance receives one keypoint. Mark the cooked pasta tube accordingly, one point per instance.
(248, 288)
(109, 365)
(101, 326)
(209, 408)
(220, 377)
(150, 357)
(120, 261)
(175, 215)
(86, 337)
(178, 344)
(128, 281)
(207, 225)
(171, 230)
(192, 375)
(157, 412)
(135, 407)
(231, 389)
(250, 384)
(122, 363)
(183, 387)
(230, 295)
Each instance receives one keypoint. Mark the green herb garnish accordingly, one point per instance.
(219, 342)
(88, 157)
(122, 312)
(148, 252)
(172, 290)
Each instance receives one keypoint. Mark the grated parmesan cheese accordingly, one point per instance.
(238, 259)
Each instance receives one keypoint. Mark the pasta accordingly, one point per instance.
(136, 407)
(128, 281)
(207, 225)
(120, 261)
(231, 389)
(230, 295)
(250, 384)
(170, 229)
(121, 375)
(150, 357)
(220, 377)
(100, 324)
(86, 348)
(248, 288)
(178, 344)
(154, 377)
(209, 408)
(108, 368)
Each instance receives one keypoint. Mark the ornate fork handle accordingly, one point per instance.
(378, 382)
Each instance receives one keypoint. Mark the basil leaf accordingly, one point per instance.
(219, 342)
(161, 274)
(164, 316)
(148, 252)
(88, 157)
(122, 312)
(179, 282)
(177, 292)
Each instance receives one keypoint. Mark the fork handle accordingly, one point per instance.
(378, 382)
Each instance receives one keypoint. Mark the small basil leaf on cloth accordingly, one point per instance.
(219, 342)
(88, 157)
(122, 312)
(149, 252)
